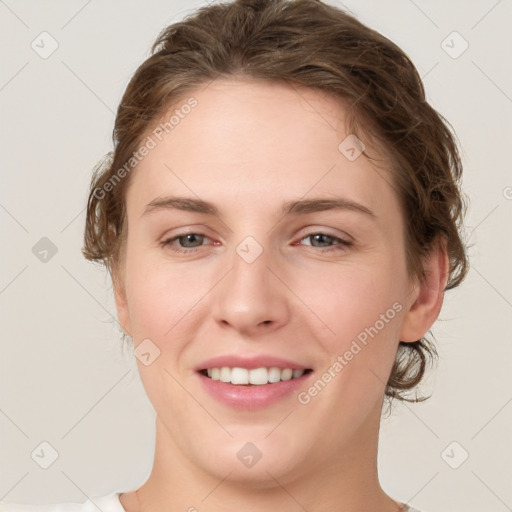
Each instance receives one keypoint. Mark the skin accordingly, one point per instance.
(248, 147)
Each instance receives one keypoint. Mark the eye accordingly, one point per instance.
(325, 240)
(189, 242)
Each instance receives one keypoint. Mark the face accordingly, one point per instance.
(240, 271)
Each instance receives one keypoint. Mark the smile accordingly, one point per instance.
(257, 376)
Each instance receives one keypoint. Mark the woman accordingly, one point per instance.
(280, 217)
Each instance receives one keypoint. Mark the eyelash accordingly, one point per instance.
(343, 244)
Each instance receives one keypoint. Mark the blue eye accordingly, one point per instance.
(325, 238)
(186, 238)
(191, 242)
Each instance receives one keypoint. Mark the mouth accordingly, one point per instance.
(252, 381)
(255, 376)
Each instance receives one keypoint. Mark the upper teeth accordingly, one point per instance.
(258, 376)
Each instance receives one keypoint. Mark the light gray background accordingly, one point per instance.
(64, 377)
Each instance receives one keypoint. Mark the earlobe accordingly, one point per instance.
(123, 313)
(427, 299)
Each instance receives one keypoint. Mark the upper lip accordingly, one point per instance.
(249, 362)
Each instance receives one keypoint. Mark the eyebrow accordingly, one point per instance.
(299, 207)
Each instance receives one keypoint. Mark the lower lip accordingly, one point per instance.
(251, 397)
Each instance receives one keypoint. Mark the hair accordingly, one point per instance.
(302, 43)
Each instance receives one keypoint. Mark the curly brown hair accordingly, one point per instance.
(311, 44)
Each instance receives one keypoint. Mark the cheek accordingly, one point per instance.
(161, 297)
(354, 298)
(363, 306)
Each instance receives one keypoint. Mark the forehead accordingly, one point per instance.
(248, 140)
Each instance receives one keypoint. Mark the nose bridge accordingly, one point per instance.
(250, 296)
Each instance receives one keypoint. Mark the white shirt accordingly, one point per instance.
(108, 503)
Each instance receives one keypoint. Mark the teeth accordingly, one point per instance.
(286, 374)
(274, 375)
(257, 376)
(239, 376)
(297, 373)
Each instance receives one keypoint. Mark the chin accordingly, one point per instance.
(253, 465)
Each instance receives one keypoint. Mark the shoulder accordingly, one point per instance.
(107, 503)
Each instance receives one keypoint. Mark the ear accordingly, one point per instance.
(123, 313)
(427, 295)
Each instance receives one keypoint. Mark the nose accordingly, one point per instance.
(251, 298)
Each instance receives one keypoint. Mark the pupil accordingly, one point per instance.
(319, 237)
(188, 237)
